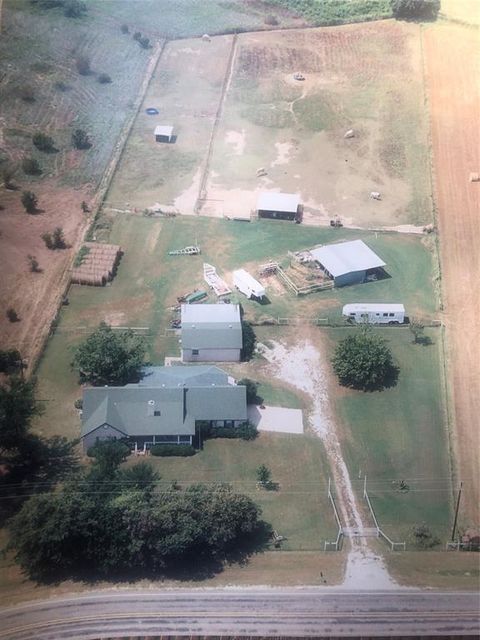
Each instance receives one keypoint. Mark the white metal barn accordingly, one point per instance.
(375, 313)
(211, 332)
(163, 133)
(247, 284)
(347, 262)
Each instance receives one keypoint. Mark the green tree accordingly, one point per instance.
(26, 92)
(10, 360)
(74, 8)
(31, 167)
(55, 240)
(7, 171)
(422, 537)
(363, 361)
(80, 139)
(249, 340)
(17, 408)
(141, 477)
(252, 390)
(83, 65)
(104, 78)
(264, 475)
(43, 142)
(412, 9)
(12, 315)
(29, 201)
(108, 455)
(110, 357)
(33, 264)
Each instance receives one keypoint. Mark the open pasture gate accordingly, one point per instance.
(98, 266)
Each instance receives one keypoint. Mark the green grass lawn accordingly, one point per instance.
(299, 510)
(400, 434)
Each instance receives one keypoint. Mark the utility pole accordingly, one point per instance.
(456, 512)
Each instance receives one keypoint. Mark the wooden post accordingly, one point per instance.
(456, 511)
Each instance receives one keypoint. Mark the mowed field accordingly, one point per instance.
(453, 78)
(364, 77)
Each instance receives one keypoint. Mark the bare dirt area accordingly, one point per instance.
(363, 77)
(453, 80)
(34, 296)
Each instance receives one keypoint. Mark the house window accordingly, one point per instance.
(157, 413)
(185, 439)
(391, 315)
(194, 352)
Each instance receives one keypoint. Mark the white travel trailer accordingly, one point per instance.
(375, 313)
(250, 287)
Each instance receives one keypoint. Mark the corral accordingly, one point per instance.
(246, 126)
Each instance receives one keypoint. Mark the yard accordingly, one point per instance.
(400, 434)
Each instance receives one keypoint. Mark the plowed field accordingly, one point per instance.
(453, 76)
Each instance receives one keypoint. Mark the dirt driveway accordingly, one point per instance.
(453, 80)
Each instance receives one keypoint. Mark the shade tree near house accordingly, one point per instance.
(363, 361)
(110, 357)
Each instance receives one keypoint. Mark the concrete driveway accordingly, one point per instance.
(276, 419)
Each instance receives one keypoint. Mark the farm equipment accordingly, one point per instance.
(298, 76)
(193, 297)
(336, 222)
(186, 251)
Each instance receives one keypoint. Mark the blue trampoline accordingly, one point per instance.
(152, 111)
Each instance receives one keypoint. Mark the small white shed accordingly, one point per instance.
(247, 284)
(163, 133)
(375, 313)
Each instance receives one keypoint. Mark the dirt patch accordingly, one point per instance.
(35, 295)
(452, 70)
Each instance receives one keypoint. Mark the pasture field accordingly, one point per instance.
(363, 77)
(467, 11)
(452, 74)
(299, 510)
(400, 434)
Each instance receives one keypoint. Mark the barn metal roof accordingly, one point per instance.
(163, 130)
(346, 257)
(270, 201)
(220, 313)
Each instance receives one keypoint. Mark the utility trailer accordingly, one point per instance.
(374, 313)
(247, 285)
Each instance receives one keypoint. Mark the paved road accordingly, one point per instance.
(237, 611)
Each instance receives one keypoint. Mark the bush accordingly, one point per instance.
(252, 390)
(60, 85)
(12, 315)
(31, 167)
(83, 65)
(33, 264)
(80, 139)
(137, 35)
(7, 171)
(104, 78)
(422, 537)
(416, 9)
(124, 28)
(74, 8)
(29, 201)
(245, 431)
(271, 20)
(26, 92)
(249, 340)
(144, 42)
(10, 361)
(55, 240)
(167, 450)
(43, 142)
(78, 404)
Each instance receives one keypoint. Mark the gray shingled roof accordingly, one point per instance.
(190, 393)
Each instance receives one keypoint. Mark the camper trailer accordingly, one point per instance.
(375, 313)
(244, 282)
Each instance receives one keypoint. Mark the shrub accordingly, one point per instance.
(74, 8)
(167, 450)
(60, 85)
(252, 390)
(271, 20)
(83, 65)
(84, 207)
(55, 240)
(10, 361)
(137, 35)
(245, 431)
(144, 42)
(124, 28)
(26, 92)
(43, 142)
(422, 537)
(104, 78)
(31, 167)
(249, 340)
(80, 139)
(29, 201)
(12, 315)
(78, 404)
(7, 172)
(33, 264)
